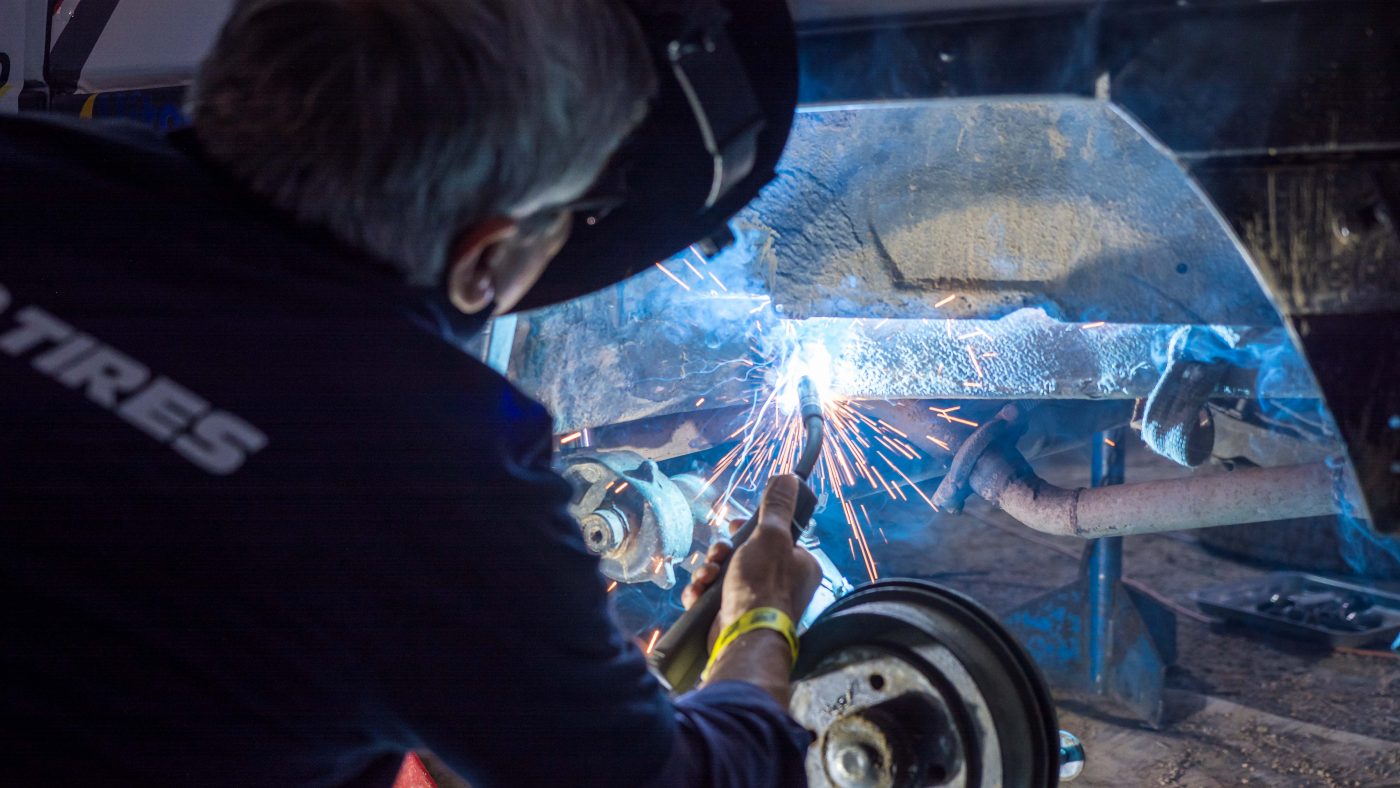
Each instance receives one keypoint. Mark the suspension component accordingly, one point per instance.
(637, 520)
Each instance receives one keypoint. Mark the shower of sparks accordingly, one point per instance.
(1098, 324)
(674, 278)
(863, 455)
(567, 439)
(656, 635)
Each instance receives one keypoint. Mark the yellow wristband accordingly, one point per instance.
(758, 618)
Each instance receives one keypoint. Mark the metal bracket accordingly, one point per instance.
(1096, 640)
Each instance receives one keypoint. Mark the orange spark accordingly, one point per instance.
(721, 284)
(674, 278)
(1098, 324)
(567, 439)
(891, 428)
(655, 636)
(958, 419)
(945, 301)
(942, 444)
(1110, 443)
(611, 586)
(977, 365)
(620, 488)
(915, 487)
(694, 270)
(699, 402)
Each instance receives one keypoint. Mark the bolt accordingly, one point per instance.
(852, 766)
(603, 530)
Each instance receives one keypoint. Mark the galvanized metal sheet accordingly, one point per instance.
(1066, 204)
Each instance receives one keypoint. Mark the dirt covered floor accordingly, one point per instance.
(1242, 709)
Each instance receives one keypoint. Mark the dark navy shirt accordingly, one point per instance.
(259, 527)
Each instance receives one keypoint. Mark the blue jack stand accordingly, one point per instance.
(1097, 641)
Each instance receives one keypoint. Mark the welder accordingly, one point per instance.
(264, 522)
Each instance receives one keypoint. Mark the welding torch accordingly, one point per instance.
(680, 655)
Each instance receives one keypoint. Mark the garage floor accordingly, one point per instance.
(1242, 710)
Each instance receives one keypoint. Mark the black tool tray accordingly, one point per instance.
(1307, 607)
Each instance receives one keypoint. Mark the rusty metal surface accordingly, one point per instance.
(1323, 230)
(1323, 233)
(1247, 495)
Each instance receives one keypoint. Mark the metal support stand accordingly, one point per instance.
(1096, 640)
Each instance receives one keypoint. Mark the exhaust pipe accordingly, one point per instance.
(1249, 495)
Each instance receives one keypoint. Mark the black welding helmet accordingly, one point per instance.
(727, 94)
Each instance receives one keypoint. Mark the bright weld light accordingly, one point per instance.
(810, 360)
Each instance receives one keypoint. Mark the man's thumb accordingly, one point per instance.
(779, 503)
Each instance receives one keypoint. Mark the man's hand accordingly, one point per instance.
(768, 570)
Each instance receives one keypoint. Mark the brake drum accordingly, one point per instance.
(906, 683)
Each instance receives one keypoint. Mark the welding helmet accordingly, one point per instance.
(727, 94)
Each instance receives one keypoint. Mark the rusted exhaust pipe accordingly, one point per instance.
(1249, 495)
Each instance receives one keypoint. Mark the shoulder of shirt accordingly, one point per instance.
(434, 381)
(36, 138)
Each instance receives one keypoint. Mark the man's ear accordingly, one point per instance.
(471, 282)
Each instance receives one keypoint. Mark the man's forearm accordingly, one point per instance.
(762, 658)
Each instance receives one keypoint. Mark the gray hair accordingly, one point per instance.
(398, 124)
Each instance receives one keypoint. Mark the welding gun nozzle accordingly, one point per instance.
(811, 405)
(808, 399)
